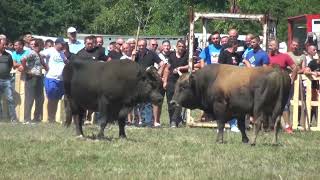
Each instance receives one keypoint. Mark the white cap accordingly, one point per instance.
(71, 30)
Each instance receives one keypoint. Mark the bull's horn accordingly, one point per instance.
(148, 68)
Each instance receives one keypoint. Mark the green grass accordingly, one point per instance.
(46, 151)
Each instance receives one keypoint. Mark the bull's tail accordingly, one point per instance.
(67, 76)
(283, 97)
(68, 112)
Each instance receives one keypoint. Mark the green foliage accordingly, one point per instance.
(156, 17)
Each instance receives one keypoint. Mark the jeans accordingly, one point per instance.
(33, 93)
(233, 122)
(6, 89)
(146, 113)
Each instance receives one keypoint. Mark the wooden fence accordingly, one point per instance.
(19, 99)
(297, 105)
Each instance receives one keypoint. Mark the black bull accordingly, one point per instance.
(226, 91)
(112, 88)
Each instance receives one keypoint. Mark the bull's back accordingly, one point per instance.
(232, 78)
(114, 79)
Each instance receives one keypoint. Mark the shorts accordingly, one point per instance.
(54, 88)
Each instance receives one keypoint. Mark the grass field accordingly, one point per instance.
(50, 151)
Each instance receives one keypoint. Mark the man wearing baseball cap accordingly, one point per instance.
(53, 79)
(74, 44)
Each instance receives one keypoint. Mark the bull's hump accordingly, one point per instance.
(230, 78)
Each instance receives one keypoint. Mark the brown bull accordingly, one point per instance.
(226, 92)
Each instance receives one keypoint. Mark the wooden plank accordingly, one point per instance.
(308, 101)
(207, 124)
(295, 104)
(222, 16)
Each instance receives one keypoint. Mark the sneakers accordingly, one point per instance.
(288, 130)
(234, 129)
(86, 122)
(156, 125)
(14, 121)
(28, 122)
(173, 125)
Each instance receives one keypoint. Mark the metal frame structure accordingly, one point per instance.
(269, 31)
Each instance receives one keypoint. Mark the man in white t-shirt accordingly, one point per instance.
(53, 78)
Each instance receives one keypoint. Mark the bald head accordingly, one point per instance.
(153, 44)
(274, 47)
(119, 42)
(142, 44)
(126, 49)
(312, 50)
(248, 39)
(233, 34)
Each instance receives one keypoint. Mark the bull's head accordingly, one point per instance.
(184, 93)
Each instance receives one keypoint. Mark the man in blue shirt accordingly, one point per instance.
(210, 54)
(74, 45)
(19, 53)
(256, 57)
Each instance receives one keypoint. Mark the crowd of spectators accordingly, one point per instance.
(30, 57)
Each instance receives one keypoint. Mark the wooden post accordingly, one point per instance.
(190, 61)
(20, 97)
(204, 33)
(308, 101)
(295, 103)
(19, 100)
(265, 32)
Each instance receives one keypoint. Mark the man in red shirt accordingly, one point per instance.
(284, 61)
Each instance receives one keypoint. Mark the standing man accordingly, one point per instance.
(74, 45)
(164, 56)
(119, 43)
(132, 43)
(248, 39)
(114, 52)
(153, 45)
(229, 56)
(53, 79)
(32, 65)
(99, 43)
(91, 51)
(177, 61)
(126, 51)
(18, 54)
(147, 58)
(295, 54)
(6, 63)
(210, 54)
(233, 34)
(256, 57)
(284, 61)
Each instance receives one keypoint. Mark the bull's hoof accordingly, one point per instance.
(245, 140)
(275, 143)
(80, 137)
(219, 141)
(100, 136)
(253, 144)
(122, 136)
